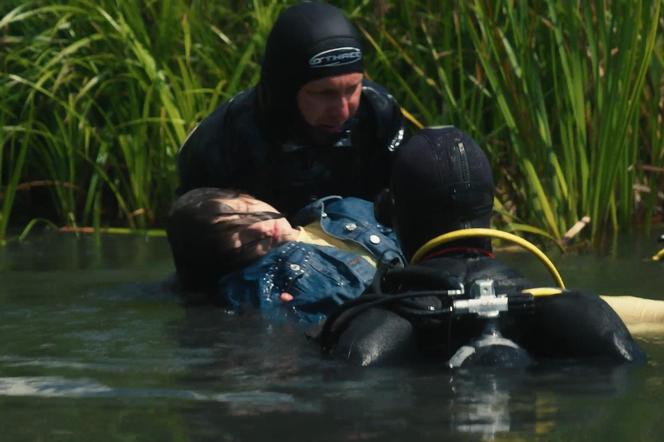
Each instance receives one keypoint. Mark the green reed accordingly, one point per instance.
(114, 88)
(553, 90)
(650, 160)
(566, 98)
(567, 85)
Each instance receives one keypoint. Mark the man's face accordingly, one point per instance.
(327, 103)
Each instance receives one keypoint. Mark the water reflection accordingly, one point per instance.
(95, 347)
(389, 403)
(481, 404)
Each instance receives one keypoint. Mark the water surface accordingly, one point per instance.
(95, 347)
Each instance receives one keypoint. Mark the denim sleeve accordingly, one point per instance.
(327, 280)
(318, 278)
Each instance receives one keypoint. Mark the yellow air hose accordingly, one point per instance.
(491, 233)
(658, 255)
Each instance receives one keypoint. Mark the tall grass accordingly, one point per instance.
(568, 82)
(566, 97)
(106, 92)
(554, 92)
(650, 160)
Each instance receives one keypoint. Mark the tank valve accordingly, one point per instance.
(484, 302)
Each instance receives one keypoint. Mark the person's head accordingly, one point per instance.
(312, 67)
(441, 181)
(213, 232)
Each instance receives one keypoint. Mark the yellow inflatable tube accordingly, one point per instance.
(641, 316)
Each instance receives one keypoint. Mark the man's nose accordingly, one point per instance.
(342, 107)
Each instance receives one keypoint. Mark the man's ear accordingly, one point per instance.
(384, 207)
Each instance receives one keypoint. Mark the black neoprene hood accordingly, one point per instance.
(441, 181)
(308, 41)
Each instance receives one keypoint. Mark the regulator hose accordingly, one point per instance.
(337, 322)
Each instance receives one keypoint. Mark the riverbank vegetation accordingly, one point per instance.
(566, 97)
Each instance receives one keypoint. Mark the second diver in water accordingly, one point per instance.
(458, 303)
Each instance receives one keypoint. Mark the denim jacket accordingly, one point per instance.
(318, 277)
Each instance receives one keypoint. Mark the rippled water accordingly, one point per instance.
(95, 347)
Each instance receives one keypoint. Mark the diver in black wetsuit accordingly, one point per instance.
(448, 305)
(312, 126)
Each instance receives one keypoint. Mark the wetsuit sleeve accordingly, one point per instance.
(387, 133)
(389, 119)
(201, 159)
(577, 324)
(376, 336)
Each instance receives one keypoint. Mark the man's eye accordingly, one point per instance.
(325, 93)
